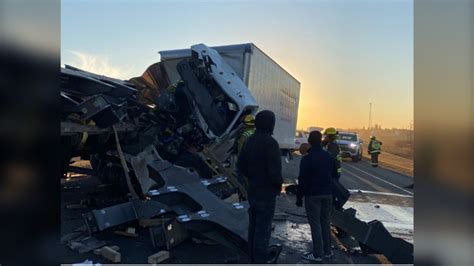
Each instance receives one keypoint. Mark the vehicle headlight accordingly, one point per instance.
(353, 145)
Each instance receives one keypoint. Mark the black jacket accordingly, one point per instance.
(260, 159)
(317, 168)
(334, 150)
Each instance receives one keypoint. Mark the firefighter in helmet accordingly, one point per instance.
(374, 151)
(329, 143)
(249, 129)
(245, 133)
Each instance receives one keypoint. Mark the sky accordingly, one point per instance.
(346, 54)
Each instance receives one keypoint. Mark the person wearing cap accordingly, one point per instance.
(260, 162)
(317, 171)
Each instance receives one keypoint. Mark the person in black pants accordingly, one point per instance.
(260, 162)
(374, 151)
(317, 168)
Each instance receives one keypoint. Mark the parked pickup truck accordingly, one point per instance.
(301, 137)
(350, 145)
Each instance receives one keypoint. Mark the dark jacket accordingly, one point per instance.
(333, 148)
(260, 159)
(317, 168)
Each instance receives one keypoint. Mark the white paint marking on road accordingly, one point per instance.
(365, 180)
(393, 185)
(380, 193)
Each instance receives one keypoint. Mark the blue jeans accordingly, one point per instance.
(260, 228)
(318, 211)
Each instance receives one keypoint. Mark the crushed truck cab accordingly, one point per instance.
(219, 106)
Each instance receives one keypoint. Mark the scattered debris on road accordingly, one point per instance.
(159, 257)
(110, 253)
(129, 233)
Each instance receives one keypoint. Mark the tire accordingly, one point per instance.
(357, 158)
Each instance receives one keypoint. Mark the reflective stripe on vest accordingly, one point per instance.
(375, 145)
(248, 133)
(245, 135)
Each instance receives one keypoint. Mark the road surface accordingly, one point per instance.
(363, 176)
(360, 176)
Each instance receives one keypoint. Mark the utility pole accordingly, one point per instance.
(370, 116)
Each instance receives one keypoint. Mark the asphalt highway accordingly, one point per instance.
(363, 176)
(360, 176)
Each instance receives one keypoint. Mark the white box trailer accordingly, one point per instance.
(272, 86)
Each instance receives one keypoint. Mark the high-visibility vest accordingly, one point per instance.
(375, 146)
(244, 136)
(335, 152)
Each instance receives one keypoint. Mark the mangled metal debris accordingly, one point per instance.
(159, 257)
(159, 141)
(110, 253)
(373, 237)
(186, 196)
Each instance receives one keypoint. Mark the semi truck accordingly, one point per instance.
(272, 86)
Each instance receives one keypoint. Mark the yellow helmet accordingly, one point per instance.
(330, 131)
(249, 120)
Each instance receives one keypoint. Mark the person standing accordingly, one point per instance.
(330, 144)
(374, 150)
(247, 131)
(317, 168)
(260, 162)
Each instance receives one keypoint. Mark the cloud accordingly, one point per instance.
(98, 65)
